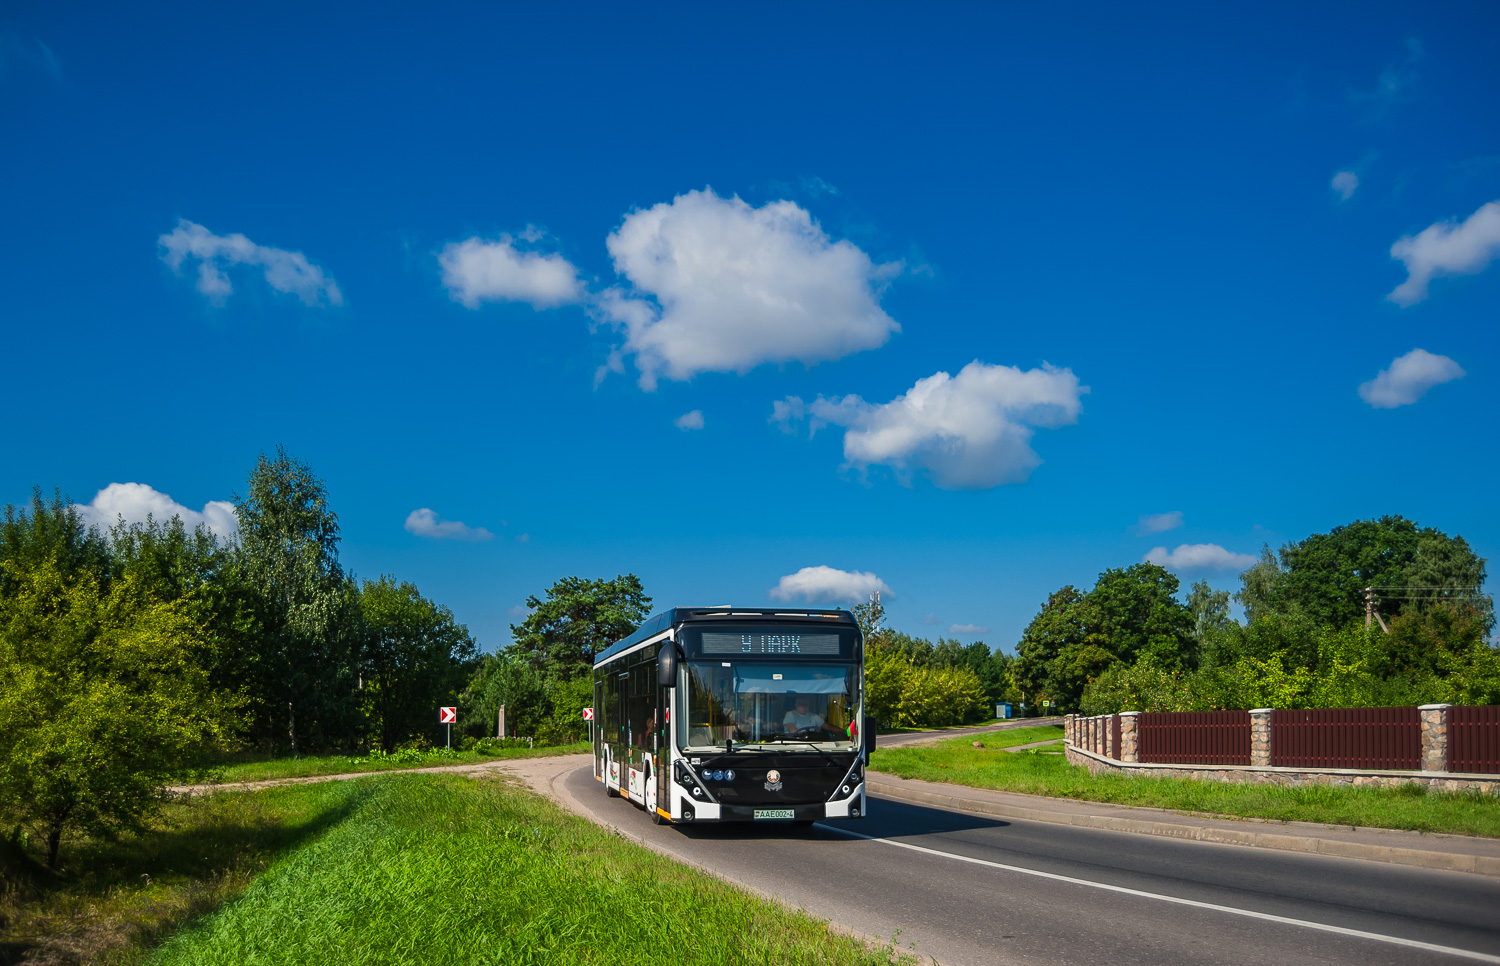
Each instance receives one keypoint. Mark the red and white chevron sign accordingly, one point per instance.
(447, 715)
(588, 714)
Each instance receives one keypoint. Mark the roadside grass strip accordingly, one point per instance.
(1044, 771)
(113, 899)
(311, 767)
(449, 869)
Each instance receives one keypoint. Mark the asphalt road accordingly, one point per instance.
(967, 890)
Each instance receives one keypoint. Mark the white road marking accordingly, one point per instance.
(1249, 914)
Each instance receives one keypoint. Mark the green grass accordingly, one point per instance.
(307, 767)
(400, 869)
(1011, 737)
(1044, 771)
(110, 900)
(456, 870)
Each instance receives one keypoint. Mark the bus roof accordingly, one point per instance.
(673, 616)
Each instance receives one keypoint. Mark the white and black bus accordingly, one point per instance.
(726, 714)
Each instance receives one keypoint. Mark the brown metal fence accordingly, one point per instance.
(1474, 739)
(1194, 737)
(1347, 738)
(1114, 742)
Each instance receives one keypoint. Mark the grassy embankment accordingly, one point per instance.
(1044, 771)
(255, 770)
(418, 868)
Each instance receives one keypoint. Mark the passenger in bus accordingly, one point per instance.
(802, 717)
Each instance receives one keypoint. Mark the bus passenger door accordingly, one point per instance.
(661, 749)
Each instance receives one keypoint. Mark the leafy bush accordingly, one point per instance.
(902, 694)
(1340, 676)
(493, 746)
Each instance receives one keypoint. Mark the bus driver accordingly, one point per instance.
(801, 718)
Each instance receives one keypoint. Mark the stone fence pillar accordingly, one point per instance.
(1130, 740)
(1434, 736)
(1260, 737)
(1069, 734)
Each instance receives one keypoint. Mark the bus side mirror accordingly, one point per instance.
(869, 729)
(666, 665)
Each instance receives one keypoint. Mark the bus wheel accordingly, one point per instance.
(656, 818)
(611, 790)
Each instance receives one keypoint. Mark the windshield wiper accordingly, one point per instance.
(788, 739)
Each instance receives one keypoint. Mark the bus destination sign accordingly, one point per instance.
(775, 642)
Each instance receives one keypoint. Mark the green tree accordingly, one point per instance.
(566, 699)
(504, 680)
(1412, 568)
(51, 532)
(886, 673)
(417, 657)
(1210, 610)
(304, 670)
(1134, 615)
(203, 574)
(1057, 626)
(870, 616)
(578, 619)
(1131, 615)
(934, 697)
(1260, 586)
(105, 698)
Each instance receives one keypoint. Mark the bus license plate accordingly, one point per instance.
(773, 813)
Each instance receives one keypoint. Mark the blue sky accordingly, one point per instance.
(766, 303)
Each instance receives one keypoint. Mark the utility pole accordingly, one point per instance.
(1371, 612)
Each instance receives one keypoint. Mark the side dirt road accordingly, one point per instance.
(469, 768)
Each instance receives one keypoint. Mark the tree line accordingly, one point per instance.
(911, 682)
(544, 679)
(130, 657)
(1376, 613)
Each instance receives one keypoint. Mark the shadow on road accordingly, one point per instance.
(888, 819)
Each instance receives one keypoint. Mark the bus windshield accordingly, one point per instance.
(788, 703)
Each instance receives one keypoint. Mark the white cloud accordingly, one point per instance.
(518, 612)
(788, 412)
(827, 585)
(1159, 523)
(967, 629)
(1199, 556)
(476, 271)
(968, 432)
(692, 420)
(426, 523)
(1345, 183)
(930, 619)
(1446, 248)
(284, 271)
(133, 502)
(719, 286)
(1408, 379)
